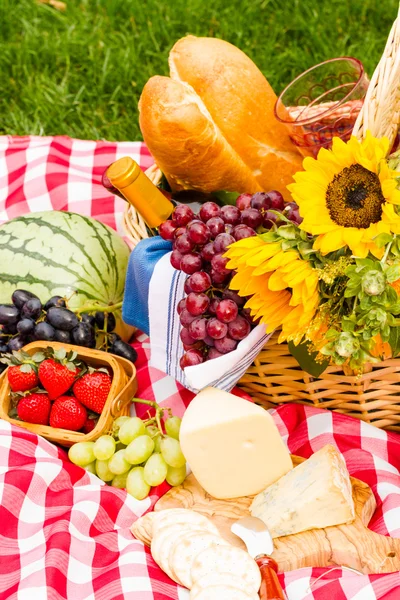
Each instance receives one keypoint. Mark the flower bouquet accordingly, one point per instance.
(331, 285)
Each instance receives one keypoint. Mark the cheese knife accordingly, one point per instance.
(260, 546)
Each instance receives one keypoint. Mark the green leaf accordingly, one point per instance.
(366, 262)
(288, 232)
(347, 324)
(26, 368)
(393, 273)
(382, 239)
(268, 237)
(60, 354)
(306, 359)
(286, 245)
(226, 197)
(351, 291)
(38, 357)
(394, 340)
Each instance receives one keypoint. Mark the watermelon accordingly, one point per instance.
(61, 253)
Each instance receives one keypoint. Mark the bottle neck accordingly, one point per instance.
(126, 176)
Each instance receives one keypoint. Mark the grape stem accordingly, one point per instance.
(96, 307)
(159, 412)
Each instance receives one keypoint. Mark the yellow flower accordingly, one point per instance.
(282, 286)
(346, 196)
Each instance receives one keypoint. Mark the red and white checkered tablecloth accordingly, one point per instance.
(64, 534)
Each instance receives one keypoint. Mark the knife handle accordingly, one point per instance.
(270, 587)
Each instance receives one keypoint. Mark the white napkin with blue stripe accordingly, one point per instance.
(166, 288)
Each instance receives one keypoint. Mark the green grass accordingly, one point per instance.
(80, 73)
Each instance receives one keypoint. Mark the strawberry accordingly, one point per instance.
(22, 372)
(68, 413)
(58, 372)
(89, 425)
(92, 390)
(22, 379)
(34, 408)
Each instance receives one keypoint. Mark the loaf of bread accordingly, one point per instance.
(210, 125)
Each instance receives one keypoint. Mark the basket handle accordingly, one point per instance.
(380, 113)
(124, 397)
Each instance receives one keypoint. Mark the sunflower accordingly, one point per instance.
(282, 286)
(346, 196)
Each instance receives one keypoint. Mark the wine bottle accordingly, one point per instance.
(125, 179)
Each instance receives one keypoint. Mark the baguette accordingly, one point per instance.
(211, 125)
(241, 103)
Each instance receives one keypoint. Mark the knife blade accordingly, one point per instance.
(260, 546)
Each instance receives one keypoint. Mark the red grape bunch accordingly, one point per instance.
(212, 316)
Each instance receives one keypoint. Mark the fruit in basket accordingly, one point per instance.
(212, 316)
(58, 372)
(58, 255)
(34, 408)
(68, 413)
(139, 453)
(23, 371)
(92, 390)
(22, 380)
(89, 425)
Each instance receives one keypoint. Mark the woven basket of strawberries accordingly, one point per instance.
(65, 393)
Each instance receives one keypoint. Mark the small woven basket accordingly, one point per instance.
(123, 389)
(275, 376)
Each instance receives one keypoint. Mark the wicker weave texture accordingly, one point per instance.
(374, 397)
(381, 109)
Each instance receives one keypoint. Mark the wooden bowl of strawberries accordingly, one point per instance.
(66, 393)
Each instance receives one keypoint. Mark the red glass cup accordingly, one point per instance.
(323, 102)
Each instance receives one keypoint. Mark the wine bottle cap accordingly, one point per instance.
(123, 172)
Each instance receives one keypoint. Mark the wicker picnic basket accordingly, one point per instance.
(275, 377)
(123, 389)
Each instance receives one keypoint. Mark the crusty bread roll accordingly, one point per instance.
(221, 83)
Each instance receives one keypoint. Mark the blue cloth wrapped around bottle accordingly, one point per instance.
(143, 259)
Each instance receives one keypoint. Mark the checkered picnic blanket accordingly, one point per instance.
(63, 533)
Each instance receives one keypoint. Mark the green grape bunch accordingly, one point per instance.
(137, 454)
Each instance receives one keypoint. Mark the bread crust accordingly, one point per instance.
(185, 142)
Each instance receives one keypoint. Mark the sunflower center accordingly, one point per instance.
(354, 197)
